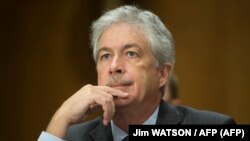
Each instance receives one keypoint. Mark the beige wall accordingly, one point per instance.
(45, 57)
(212, 52)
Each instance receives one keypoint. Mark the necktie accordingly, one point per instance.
(125, 139)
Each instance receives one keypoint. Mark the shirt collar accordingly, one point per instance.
(119, 134)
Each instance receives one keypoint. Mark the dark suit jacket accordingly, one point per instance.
(95, 130)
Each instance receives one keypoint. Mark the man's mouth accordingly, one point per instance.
(118, 85)
(119, 82)
(122, 86)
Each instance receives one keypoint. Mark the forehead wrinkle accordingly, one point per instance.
(124, 47)
(131, 45)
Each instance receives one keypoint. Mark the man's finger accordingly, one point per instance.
(115, 92)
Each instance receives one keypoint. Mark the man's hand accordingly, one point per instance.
(78, 106)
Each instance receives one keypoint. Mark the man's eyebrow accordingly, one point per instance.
(126, 46)
(103, 49)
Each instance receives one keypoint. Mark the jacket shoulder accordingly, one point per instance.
(82, 131)
(194, 116)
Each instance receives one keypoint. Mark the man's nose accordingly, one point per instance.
(117, 65)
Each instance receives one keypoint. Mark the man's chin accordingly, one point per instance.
(119, 102)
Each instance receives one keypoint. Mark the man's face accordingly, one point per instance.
(125, 62)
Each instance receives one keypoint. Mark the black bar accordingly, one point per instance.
(213, 132)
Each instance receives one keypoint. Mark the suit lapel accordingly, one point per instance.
(102, 133)
(168, 114)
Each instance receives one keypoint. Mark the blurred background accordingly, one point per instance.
(45, 56)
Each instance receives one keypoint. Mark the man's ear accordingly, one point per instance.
(165, 72)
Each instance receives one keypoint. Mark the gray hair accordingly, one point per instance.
(159, 37)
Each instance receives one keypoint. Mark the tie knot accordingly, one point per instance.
(125, 138)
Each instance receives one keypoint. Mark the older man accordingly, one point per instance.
(134, 54)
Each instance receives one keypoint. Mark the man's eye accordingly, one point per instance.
(105, 56)
(132, 54)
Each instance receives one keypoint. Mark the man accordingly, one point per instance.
(134, 54)
(171, 93)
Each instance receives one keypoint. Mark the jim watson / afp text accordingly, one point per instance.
(188, 132)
